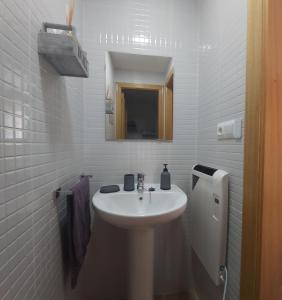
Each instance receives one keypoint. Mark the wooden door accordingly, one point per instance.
(261, 267)
(271, 254)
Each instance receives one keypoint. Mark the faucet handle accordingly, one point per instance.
(140, 176)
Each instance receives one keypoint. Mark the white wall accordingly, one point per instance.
(221, 98)
(209, 88)
(139, 77)
(172, 29)
(110, 128)
(43, 127)
(40, 149)
(109, 76)
(167, 28)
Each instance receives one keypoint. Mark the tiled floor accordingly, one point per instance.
(177, 297)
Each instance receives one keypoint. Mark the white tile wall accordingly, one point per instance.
(48, 135)
(222, 97)
(161, 27)
(168, 28)
(40, 149)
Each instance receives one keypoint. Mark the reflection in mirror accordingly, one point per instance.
(141, 108)
(139, 97)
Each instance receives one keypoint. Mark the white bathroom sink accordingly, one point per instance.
(139, 213)
(127, 209)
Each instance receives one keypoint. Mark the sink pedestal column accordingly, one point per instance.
(141, 263)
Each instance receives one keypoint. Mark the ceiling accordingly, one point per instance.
(140, 63)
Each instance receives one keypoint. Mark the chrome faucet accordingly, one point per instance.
(140, 182)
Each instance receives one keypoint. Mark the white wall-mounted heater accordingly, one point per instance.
(209, 209)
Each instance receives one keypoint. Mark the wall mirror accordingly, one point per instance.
(138, 97)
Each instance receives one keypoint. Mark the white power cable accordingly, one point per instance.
(224, 277)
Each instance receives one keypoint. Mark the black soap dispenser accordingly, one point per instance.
(165, 179)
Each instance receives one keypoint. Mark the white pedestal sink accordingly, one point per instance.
(139, 213)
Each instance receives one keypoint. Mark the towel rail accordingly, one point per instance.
(60, 191)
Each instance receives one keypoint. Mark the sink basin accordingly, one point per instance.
(133, 209)
(139, 213)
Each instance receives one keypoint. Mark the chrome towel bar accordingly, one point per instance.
(60, 191)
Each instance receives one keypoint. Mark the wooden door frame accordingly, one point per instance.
(253, 152)
(137, 86)
(168, 94)
(170, 79)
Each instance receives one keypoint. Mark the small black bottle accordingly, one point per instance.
(165, 179)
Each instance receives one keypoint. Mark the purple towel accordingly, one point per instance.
(79, 226)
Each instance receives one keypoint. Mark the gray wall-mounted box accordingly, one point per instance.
(59, 45)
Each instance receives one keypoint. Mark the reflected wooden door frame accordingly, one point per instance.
(120, 111)
(168, 99)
